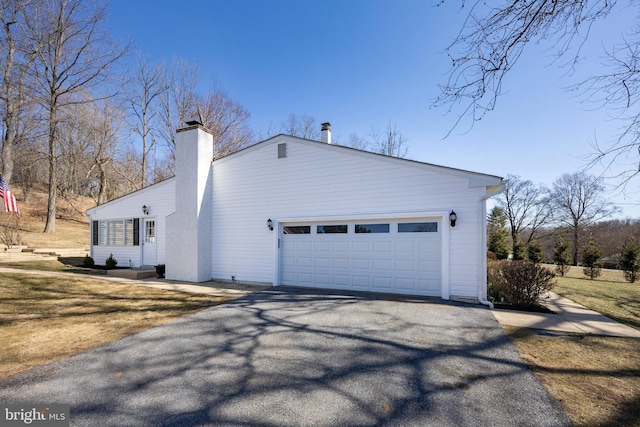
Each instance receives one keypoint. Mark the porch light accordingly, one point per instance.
(453, 218)
(270, 224)
(145, 210)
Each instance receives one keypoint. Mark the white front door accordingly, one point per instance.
(149, 242)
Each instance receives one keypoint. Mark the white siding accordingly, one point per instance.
(159, 198)
(320, 181)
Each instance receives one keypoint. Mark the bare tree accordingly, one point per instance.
(301, 126)
(105, 138)
(578, 202)
(179, 101)
(226, 119)
(73, 53)
(358, 142)
(494, 37)
(148, 85)
(526, 206)
(389, 141)
(15, 62)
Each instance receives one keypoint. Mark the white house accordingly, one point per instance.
(290, 211)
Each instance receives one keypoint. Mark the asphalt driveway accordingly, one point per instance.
(293, 357)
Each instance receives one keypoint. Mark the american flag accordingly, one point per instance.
(10, 204)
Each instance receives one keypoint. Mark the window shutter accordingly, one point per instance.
(136, 231)
(95, 233)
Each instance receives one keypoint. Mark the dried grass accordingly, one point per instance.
(44, 319)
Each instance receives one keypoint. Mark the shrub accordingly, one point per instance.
(519, 251)
(110, 262)
(88, 261)
(493, 292)
(534, 252)
(520, 283)
(630, 260)
(561, 256)
(592, 260)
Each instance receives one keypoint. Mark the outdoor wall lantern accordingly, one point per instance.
(453, 218)
(145, 210)
(270, 224)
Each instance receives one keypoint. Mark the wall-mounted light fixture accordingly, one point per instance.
(145, 210)
(453, 218)
(270, 224)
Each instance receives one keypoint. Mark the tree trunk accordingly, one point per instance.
(50, 226)
(7, 154)
(102, 193)
(575, 244)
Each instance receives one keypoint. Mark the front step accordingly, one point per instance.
(132, 273)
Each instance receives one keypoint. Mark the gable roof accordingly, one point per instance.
(132, 194)
(476, 179)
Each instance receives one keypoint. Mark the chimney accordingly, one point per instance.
(188, 235)
(325, 133)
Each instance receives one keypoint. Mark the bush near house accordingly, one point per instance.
(110, 262)
(519, 283)
(87, 261)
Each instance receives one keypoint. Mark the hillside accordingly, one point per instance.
(72, 227)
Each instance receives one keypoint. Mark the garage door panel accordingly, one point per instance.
(323, 279)
(406, 263)
(361, 263)
(342, 263)
(382, 283)
(304, 246)
(361, 247)
(322, 262)
(339, 246)
(323, 246)
(360, 282)
(341, 280)
(304, 261)
(382, 247)
(429, 265)
(407, 284)
(305, 278)
(429, 247)
(382, 264)
(405, 247)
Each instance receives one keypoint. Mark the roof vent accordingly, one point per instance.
(325, 133)
(282, 150)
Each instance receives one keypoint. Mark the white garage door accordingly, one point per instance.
(380, 256)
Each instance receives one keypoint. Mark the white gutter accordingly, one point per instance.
(482, 293)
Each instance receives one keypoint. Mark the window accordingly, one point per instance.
(149, 231)
(332, 229)
(372, 228)
(122, 232)
(297, 229)
(418, 227)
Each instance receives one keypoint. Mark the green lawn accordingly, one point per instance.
(615, 299)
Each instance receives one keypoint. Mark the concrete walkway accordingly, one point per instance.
(233, 290)
(569, 317)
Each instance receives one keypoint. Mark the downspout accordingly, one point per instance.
(482, 293)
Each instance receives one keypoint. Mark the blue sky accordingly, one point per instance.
(361, 64)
